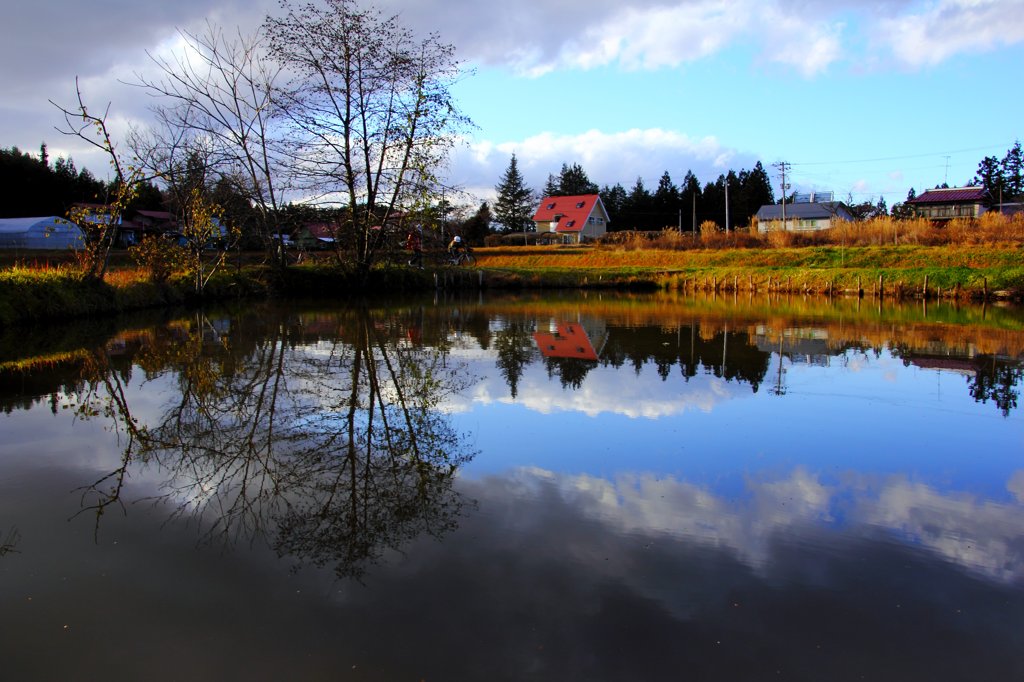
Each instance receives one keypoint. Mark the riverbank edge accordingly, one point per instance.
(27, 296)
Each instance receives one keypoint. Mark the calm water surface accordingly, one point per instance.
(562, 488)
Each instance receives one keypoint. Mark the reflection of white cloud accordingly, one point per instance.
(1016, 485)
(979, 535)
(605, 390)
(976, 533)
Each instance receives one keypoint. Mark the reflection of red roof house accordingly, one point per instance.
(574, 217)
(952, 202)
(962, 366)
(568, 341)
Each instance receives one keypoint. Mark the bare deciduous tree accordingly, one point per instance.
(218, 93)
(371, 110)
(100, 223)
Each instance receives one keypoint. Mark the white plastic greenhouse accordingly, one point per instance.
(49, 232)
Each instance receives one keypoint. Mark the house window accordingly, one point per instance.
(581, 204)
(551, 206)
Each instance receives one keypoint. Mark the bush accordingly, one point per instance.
(159, 256)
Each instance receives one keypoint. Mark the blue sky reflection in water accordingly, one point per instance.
(634, 511)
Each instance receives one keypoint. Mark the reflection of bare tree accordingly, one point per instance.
(9, 542)
(331, 452)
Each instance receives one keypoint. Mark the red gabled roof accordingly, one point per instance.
(321, 230)
(157, 215)
(574, 211)
(951, 195)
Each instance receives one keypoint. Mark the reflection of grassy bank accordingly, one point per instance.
(983, 328)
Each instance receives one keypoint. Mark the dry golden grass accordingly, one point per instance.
(991, 229)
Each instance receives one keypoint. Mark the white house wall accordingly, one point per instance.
(801, 225)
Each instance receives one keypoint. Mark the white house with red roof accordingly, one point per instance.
(951, 202)
(574, 218)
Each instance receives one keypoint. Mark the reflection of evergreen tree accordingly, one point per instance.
(478, 325)
(996, 381)
(515, 347)
(731, 356)
(570, 371)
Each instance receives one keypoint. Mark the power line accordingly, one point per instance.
(900, 158)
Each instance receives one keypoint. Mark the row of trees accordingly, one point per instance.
(1003, 178)
(38, 187)
(330, 105)
(688, 205)
(731, 200)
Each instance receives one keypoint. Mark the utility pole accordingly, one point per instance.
(783, 166)
(727, 204)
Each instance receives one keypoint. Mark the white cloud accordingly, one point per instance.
(607, 157)
(947, 28)
(808, 46)
(642, 38)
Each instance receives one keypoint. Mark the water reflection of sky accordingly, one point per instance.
(861, 412)
(856, 516)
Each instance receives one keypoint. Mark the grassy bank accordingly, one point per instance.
(898, 271)
(37, 293)
(29, 292)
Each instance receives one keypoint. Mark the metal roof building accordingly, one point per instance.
(49, 232)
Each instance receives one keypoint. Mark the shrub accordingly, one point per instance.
(160, 257)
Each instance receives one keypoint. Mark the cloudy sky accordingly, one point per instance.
(863, 97)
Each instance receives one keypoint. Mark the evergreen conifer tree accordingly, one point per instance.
(515, 203)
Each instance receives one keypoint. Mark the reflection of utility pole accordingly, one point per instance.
(780, 388)
(725, 346)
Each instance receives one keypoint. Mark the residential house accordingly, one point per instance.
(803, 216)
(1009, 208)
(131, 226)
(143, 223)
(573, 218)
(943, 205)
(317, 236)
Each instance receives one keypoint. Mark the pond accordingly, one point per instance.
(558, 487)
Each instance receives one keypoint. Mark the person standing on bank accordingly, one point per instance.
(414, 243)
